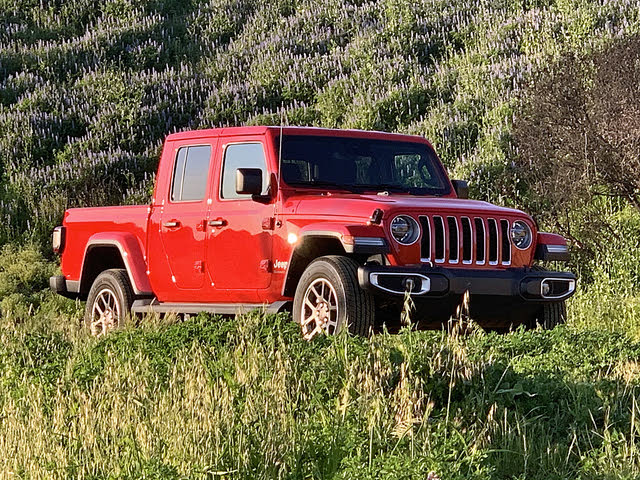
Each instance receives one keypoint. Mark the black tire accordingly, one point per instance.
(110, 292)
(355, 306)
(552, 314)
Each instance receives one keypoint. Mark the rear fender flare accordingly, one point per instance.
(131, 254)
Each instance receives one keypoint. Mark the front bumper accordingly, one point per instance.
(434, 282)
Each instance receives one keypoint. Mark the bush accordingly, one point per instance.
(24, 280)
(577, 139)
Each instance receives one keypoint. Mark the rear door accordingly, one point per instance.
(183, 215)
(240, 241)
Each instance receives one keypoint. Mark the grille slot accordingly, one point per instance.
(454, 242)
(506, 244)
(493, 241)
(425, 242)
(467, 240)
(439, 238)
(480, 241)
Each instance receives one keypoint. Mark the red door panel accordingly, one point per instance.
(183, 239)
(239, 252)
(239, 248)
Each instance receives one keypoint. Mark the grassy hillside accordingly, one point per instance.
(88, 89)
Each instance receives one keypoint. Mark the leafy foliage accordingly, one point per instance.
(24, 273)
(586, 110)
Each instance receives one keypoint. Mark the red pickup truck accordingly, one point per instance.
(335, 224)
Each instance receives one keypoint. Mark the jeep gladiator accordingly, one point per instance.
(335, 224)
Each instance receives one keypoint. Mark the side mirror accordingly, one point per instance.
(461, 187)
(248, 181)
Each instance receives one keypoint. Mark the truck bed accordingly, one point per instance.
(82, 224)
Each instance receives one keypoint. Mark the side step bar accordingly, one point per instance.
(150, 305)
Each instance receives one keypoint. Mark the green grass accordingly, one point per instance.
(247, 398)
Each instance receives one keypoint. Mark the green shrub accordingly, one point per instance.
(24, 279)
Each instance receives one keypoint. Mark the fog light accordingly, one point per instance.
(409, 284)
(546, 289)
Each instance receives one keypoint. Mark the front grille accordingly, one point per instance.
(466, 240)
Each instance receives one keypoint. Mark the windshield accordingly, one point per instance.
(359, 164)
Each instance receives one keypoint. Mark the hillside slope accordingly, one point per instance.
(89, 88)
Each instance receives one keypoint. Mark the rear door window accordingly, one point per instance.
(191, 173)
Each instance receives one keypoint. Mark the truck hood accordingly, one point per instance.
(362, 206)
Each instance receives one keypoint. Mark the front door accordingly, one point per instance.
(240, 242)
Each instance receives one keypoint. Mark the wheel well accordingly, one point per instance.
(98, 259)
(307, 251)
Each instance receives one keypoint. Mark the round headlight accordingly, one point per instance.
(521, 235)
(405, 230)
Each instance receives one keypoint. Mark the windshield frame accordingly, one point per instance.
(438, 168)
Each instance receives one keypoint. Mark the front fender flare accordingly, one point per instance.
(352, 238)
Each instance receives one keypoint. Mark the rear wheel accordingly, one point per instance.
(109, 301)
(328, 298)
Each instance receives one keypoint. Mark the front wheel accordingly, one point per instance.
(551, 315)
(109, 301)
(328, 298)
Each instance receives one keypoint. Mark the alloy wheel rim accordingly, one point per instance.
(320, 310)
(105, 312)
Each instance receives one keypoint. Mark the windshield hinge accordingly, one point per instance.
(268, 223)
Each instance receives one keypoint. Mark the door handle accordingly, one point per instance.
(172, 224)
(217, 223)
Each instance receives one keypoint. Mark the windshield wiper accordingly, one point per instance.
(358, 187)
(321, 183)
(390, 187)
